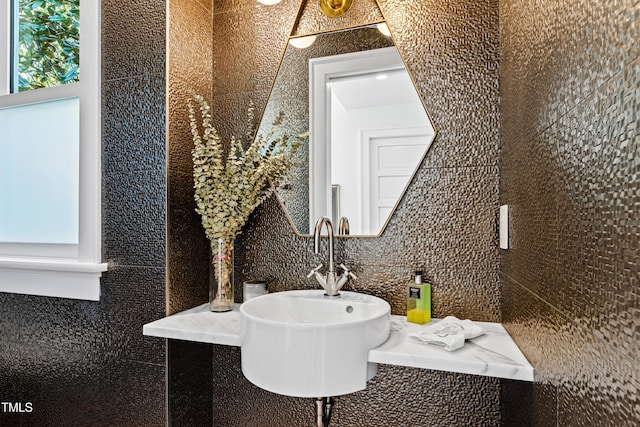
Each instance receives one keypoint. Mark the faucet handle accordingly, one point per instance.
(314, 271)
(347, 272)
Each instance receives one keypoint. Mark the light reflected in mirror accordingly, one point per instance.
(368, 129)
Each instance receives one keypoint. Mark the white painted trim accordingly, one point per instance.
(365, 185)
(51, 278)
(5, 36)
(77, 277)
(321, 71)
(51, 265)
(90, 133)
(54, 279)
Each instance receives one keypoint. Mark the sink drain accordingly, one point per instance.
(349, 309)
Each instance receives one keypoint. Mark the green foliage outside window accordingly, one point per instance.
(48, 43)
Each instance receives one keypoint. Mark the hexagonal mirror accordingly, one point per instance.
(368, 129)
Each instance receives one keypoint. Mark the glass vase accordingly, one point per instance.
(221, 284)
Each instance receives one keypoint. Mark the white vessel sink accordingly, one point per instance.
(302, 344)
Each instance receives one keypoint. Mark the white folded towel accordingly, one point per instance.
(450, 332)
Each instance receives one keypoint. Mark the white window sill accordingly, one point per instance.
(53, 278)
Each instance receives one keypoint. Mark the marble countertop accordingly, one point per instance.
(493, 354)
(199, 324)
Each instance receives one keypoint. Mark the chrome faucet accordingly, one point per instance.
(329, 282)
(343, 226)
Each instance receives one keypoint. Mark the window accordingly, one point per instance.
(50, 166)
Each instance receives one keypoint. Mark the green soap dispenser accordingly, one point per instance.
(419, 301)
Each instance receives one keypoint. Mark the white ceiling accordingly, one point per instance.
(366, 91)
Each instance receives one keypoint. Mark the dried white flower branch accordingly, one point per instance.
(226, 192)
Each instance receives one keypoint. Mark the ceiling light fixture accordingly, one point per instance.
(335, 8)
(302, 42)
(269, 2)
(384, 29)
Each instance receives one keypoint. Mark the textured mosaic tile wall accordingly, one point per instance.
(190, 62)
(190, 54)
(86, 363)
(570, 104)
(445, 223)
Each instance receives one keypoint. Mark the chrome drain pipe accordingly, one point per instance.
(323, 411)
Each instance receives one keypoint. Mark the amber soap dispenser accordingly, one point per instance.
(419, 301)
